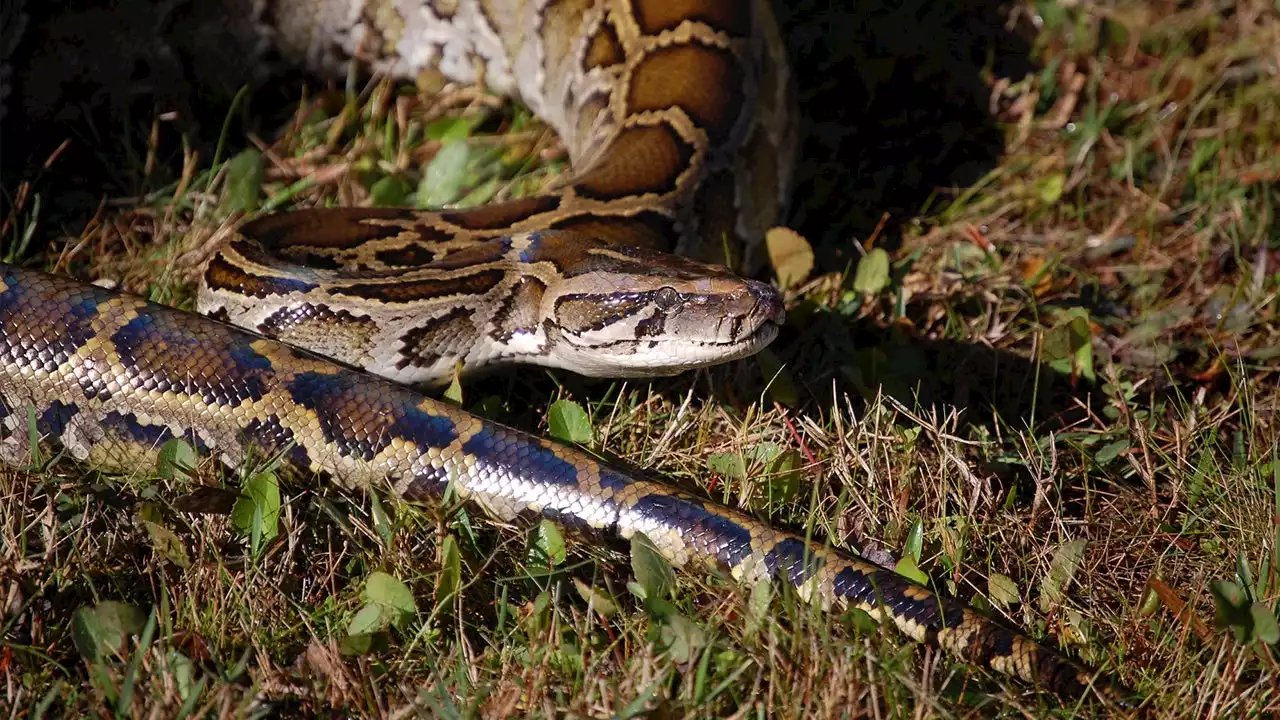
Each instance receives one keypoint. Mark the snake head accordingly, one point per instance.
(634, 312)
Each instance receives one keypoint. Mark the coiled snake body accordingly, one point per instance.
(677, 119)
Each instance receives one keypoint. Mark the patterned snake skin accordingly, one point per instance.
(560, 298)
(677, 122)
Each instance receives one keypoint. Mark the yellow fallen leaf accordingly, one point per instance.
(790, 255)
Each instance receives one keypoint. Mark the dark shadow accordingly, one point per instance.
(894, 106)
(988, 386)
(100, 84)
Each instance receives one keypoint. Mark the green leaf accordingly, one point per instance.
(257, 512)
(1049, 188)
(1082, 346)
(100, 631)
(356, 643)
(785, 475)
(907, 568)
(652, 571)
(637, 589)
(1231, 594)
(450, 574)
(453, 393)
(1110, 451)
(454, 128)
(910, 436)
(184, 673)
(1232, 609)
(482, 193)
(729, 465)
(538, 620)
(1150, 603)
(1205, 151)
(1068, 346)
(366, 622)
(790, 254)
(569, 422)
(659, 609)
(381, 521)
(1002, 590)
(490, 406)
(1062, 568)
(1264, 624)
(176, 461)
(862, 620)
(682, 637)
(244, 180)
(758, 605)
(872, 274)
(548, 548)
(915, 541)
(167, 543)
(391, 596)
(390, 191)
(596, 600)
(444, 176)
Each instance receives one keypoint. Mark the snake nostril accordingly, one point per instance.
(768, 300)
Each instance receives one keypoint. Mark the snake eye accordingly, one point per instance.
(666, 298)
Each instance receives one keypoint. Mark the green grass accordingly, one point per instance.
(1061, 405)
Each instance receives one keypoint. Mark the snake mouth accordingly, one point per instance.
(651, 357)
(708, 353)
(674, 339)
(769, 305)
(765, 333)
(772, 314)
(755, 330)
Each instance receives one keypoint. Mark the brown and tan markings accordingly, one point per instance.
(467, 285)
(604, 49)
(503, 216)
(405, 256)
(343, 336)
(517, 314)
(439, 337)
(703, 81)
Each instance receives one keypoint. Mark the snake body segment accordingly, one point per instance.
(110, 377)
(678, 116)
(415, 312)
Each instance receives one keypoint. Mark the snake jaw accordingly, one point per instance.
(631, 358)
(664, 324)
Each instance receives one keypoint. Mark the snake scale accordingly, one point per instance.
(677, 118)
